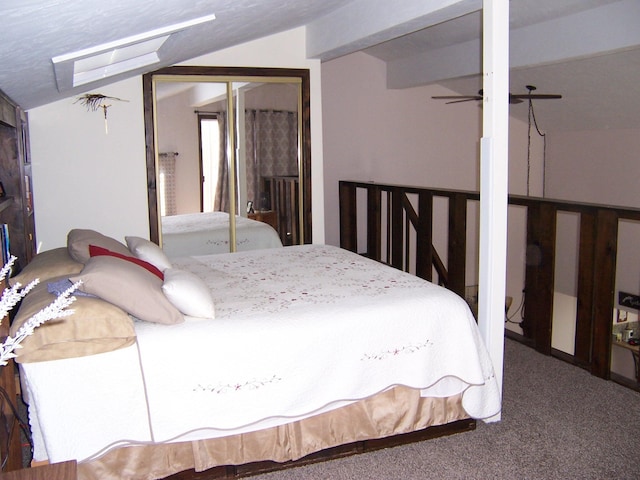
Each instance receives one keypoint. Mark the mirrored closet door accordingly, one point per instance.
(225, 144)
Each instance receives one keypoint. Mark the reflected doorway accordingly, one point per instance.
(209, 140)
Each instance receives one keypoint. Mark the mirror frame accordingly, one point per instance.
(232, 73)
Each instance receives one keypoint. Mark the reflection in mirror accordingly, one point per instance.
(202, 172)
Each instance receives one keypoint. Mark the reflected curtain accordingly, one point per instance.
(221, 200)
(271, 149)
(167, 179)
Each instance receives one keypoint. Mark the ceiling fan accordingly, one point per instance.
(513, 98)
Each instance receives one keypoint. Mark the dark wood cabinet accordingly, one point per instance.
(16, 206)
(10, 448)
(266, 216)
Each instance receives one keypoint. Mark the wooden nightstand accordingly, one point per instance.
(266, 216)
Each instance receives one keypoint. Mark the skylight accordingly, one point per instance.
(109, 59)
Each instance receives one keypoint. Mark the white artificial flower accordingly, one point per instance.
(12, 295)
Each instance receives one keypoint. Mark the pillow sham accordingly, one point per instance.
(132, 288)
(149, 252)
(78, 241)
(188, 293)
(96, 251)
(95, 327)
(47, 264)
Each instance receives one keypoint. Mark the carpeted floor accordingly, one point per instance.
(558, 422)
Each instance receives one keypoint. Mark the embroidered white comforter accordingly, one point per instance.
(207, 233)
(304, 329)
(298, 330)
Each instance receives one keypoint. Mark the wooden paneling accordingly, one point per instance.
(584, 314)
(348, 219)
(539, 275)
(457, 254)
(604, 269)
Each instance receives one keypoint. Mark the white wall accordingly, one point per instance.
(601, 167)
(84, 178)
(595, 166)
(391, 136)
(406, 137)
(178, 132)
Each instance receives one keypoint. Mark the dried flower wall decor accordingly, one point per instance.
(94, 101)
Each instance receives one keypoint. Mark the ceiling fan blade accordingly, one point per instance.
(513, 99)
(454, 97)
(465, 99)
(538, 96)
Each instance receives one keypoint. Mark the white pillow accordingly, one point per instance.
(188, 293)
(149, 252)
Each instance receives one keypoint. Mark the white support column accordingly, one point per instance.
(494, 181)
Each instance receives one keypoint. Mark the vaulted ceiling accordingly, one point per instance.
(586, 50)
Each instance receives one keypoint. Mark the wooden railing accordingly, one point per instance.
(284, 196)
(394, 213)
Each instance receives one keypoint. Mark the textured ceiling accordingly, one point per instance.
(34, 31)
(586, 50)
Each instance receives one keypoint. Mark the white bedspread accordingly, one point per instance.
(305, 329)
(207, 233)
(298, 330)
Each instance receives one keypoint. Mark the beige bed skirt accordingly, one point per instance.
(396, 411)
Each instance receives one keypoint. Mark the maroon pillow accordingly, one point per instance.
(95, 251)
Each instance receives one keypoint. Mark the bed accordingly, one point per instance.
(206, 233)
(273, 355)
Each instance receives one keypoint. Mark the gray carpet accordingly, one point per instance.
(558, 422)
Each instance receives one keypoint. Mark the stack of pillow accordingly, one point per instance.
(117, 280)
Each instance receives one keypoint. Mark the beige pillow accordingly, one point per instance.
(95, 327)
(78, 241)
(46, 265)
(129, 286)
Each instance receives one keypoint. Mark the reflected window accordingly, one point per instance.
(210, 159)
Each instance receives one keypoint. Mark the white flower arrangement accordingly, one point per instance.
(12, 295)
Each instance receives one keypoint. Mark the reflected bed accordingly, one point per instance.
(207, 233)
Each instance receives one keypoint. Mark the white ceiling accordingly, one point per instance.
(586, 50)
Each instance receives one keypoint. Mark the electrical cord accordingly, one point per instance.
(532, 116)
(520, 309)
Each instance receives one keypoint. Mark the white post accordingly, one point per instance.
(494, 181)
